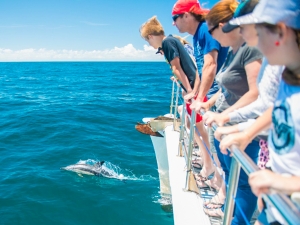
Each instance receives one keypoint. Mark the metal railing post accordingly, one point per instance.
(284, 205)
(172, 97)
(182, 128)
(176, 108)
(231, 191)
(281, 202)
(190, 185)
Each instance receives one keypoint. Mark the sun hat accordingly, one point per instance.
(273, 12)
(183, 6)
(244, 8)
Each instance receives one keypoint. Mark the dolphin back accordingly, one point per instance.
(100, 163)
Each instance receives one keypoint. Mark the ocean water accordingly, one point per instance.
(54, 114)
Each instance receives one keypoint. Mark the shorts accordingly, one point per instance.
(198, 116)
(263, 155)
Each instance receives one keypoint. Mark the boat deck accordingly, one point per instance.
(187, 206)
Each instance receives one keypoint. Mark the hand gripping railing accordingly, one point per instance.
(281, 202)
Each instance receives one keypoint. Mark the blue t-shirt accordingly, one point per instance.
(203, 44)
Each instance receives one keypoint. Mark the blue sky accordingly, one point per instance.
(80, 30)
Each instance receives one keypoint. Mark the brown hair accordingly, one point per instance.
(151, 27)
(222, 12)
(287, 75)
(198, 17)
(181, 39)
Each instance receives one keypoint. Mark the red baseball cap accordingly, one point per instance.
(183, 6)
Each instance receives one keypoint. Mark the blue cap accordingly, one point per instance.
(273, 12)
(244, 8)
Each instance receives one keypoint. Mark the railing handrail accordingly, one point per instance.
(281, 202)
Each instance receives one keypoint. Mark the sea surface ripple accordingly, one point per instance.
(54, 114)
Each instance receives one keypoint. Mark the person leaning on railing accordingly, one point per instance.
(189, 16)
(237, 81)
(174, 52)
(278, 28)
(268, 83)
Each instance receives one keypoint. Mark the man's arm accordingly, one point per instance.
(208, 73)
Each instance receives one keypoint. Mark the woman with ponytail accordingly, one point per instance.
(237, 81)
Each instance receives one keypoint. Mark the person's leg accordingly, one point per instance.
(209, 175)
(213, 150)
(221, 195)
(208, 166)
(245, 199)
(225, 168)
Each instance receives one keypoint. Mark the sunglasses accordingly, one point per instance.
(175, 17)
(210, 31)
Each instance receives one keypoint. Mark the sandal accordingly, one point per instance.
(214, 212)
(213, 203)
(197, 163)
(205, 185)
(202, 178)
(196, 153)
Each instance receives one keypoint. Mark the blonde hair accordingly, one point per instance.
(151, 27)
(181, 39)
(222, 12)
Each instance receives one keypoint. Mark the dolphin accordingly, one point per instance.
(83, 168)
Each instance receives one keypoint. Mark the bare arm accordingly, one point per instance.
(263, 180)
(208, 73)
(177, 70)
(198, 105)
(242, 139)
(252, 70)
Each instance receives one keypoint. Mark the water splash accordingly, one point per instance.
(115, 172)
(165, 201)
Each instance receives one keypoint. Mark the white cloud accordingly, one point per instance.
(204, 4)
(126, 53)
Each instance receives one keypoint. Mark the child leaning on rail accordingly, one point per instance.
(278, 28)
(182, 65)
(184, 68)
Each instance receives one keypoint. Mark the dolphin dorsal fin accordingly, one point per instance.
(100, 163)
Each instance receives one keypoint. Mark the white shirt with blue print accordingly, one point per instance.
(284, 138)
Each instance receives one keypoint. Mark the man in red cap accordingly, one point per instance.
(189, 16)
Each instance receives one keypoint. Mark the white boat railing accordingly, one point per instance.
(281, 202)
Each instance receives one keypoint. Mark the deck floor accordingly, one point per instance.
(187, 206)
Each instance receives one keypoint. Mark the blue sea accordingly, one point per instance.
(54, 114)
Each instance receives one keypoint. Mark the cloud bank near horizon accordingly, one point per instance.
(126, 53)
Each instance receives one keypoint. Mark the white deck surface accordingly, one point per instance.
(187, 206)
